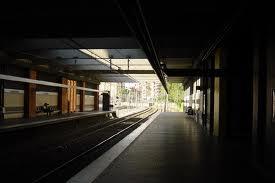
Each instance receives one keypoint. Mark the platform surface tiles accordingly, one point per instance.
(174, 148)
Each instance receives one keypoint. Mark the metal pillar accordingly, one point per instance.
(2, 92)
(82, 98)
(96, 98)
(212, 80)
(165, 103)
(259, 90)
(204, 119)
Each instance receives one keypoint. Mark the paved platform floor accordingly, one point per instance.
(175, 149)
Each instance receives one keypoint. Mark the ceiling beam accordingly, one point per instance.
(122, 71)
(194, 72)
(41, 82)
(46, 65)
(219, 38)
(133, 15)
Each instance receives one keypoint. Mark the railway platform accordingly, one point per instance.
(16, 124)
(174, 148)
(46, 152)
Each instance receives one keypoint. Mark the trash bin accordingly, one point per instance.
(105, 101)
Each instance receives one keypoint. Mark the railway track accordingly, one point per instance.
(84, 133)
(79, 151)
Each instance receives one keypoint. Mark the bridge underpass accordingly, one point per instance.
(221, 53)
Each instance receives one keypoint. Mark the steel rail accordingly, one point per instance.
(112, 124)
(112, 121)
(92, 148)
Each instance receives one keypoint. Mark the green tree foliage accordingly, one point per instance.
(175, 93)
(122, 92)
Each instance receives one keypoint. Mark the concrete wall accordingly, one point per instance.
(46, 97)
(266, 126)
(235, 95)
(239, 91)
(89, 103)
(77, 101)
(14, 93)
(14, 103)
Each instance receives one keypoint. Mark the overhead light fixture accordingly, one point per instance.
(98, 58)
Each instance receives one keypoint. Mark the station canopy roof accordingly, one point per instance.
(176, 39)
(100, 64)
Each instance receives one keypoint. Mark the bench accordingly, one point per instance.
(48, 110)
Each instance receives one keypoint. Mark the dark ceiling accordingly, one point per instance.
(172, 32)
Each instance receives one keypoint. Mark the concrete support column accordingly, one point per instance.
(63, 97)
(216, 117)
(82, 97)
(211, 105)
(2, 88)
(204, 90)
(259, 88)
(2, 99)
(30, 96)
(96, 95)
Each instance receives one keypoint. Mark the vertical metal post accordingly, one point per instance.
(82, 97)
(136, 96)
(212, 80)
(2, 109)
(204, 120)
(2, 92)
(96, 98)
(128, 64)
(165, 103)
